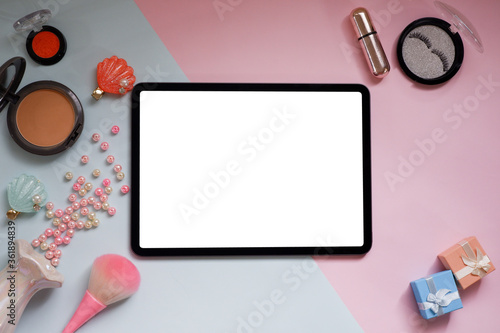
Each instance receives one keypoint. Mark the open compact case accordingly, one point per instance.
(45, 44)
(44, 117)
(431, 51)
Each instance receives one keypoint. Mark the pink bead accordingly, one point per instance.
(75, 205)
(58, 240)
(69, 210)
(96, 137)
(57, 253)
(117, 168)
(104, 146)
(55, 262)
(49, 232)
(84, 211)
(115, 129)
(97, 205)
(49, 206)
(62, 227)
(57, 233)
(103, 198)
(59, 212)
(52, 246)
(110, 159)
(42, 238)
(81, 180)
(49, 254)
(84, 202)
(91, 200)
(85, 159)
(125, 189)
(70, 232)
(35, 243)
(106, 182)
(66, 218)
(72, 225)
(66, 240)
(77, 187)
(112, 211)
(79, 225)
(98, 191)
(72, 197)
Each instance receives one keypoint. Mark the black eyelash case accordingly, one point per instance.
(430, 50)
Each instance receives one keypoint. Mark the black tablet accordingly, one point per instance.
(250, 169)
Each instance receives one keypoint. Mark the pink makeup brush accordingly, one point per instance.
(112, 279)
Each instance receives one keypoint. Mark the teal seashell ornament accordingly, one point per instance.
(26, 194)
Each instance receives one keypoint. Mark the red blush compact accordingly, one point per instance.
(45, 44)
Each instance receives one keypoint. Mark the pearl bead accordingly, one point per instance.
(72, 197)
(49, 232)
(44, 246)
(112, 211)
(52, 246)
(84, 211)
(97, 205)
(82, 192)
(49, 206)
(125, 189)
(106, 182)
(124, 83)
(117, 168)
(88, 224)
(57, 233)
(57, 253)
(49, 254)
(42, 238)
(105, 205)
(49, 214)
(103, 198)
(88, 186)
(91, 216)
(85, 159)
(84, 202)
(68, 175)
(91, 200)
(75, 205)
(36, 199)
(66, 240)
(66, 218)
(96, 222)
(70, 232)
(75, 216)
(59, 212)
(96, 137)
(55, 262)
(98, 191)
(108, 189)
(77, 187)
(35, 243)
(81, 180)
(56, 221)
(79, 225)
(110, 159)
(104, 146)
(58, 240)
(72, 225)
(69, 210)
(120, 175)
(115, 129)
(96, 173)
(62, 227)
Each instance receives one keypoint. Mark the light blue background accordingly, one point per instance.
(176, 295)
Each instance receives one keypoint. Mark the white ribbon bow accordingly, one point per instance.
(442, 298)
(476, 265)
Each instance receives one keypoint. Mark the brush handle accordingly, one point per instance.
(88, 308)
(20, 281)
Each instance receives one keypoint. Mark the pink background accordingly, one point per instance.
(450, 194)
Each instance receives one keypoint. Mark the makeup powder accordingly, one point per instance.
(46, 44)
(45, 118)
(428, 51)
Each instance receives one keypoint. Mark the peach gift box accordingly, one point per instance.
(468, 261)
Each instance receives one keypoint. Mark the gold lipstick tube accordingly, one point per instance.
(367, 37)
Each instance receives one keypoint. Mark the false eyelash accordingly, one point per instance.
(444, 59)
(423, 38)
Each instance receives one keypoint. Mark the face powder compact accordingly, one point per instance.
(45, 44)
(431, 51)
(44, 117)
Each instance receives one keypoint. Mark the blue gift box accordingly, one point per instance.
(436, 294)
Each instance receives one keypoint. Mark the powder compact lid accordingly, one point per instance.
(45, 44)
(44, 117)
(430, 50)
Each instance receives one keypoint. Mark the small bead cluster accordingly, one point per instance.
(67, 221)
